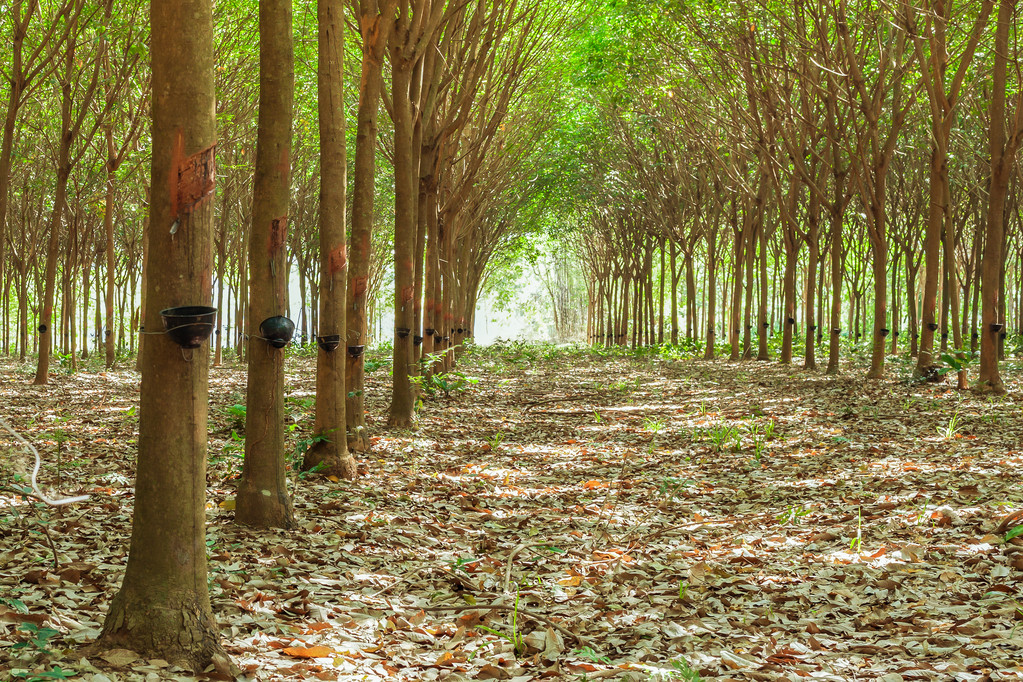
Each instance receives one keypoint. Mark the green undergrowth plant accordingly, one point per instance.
(57, 673)
(792, 515)
(956, 361)
(232, 453)
(302, 447)
(449, 383)
(758, 450)
(652, 425)
(523, 353)
(680, 670)
(301, 350)
(15, 604)
(591, 655)
(236, 415)
(495, 440)
(672, 488)
(723, 435)
(513, 635)
(371, 365)
(856, 543)
(952, 427)
(37, 638)
(1014, 532)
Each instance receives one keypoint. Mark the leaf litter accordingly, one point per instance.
(569, 516)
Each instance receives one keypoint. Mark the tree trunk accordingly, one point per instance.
(712, 236)
(932, 239)
(431, 275)
(810, 310)
(86, 265)
(737, 264)
(660, 297)
(109, 340)
(46, 342)
(911, 307)
(837, 266)
(163, 607)
(405, 196)
(16, 83)
(218, 354)
(374, 28)
(329, 453)
(145, 285)
(262, 499)
(674, 293)
(1003, 152)
(879, 248)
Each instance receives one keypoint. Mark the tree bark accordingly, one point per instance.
(329, 453)
(405, 195)
(1003, 145)
(109, 340)
(163, 608)
(263, 499)
(375, 24)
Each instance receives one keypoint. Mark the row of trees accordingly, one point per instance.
(858, 159)
(247, 182)
(485, 99)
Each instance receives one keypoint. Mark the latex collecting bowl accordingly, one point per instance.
(190, 325)
(277, 330)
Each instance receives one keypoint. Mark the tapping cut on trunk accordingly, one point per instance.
(196, 179)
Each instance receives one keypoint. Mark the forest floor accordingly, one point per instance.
(561, 515)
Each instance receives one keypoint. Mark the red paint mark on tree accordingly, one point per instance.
(338, 259)
(359, 286)
(192, 180)
(406, 294)
(278, 234)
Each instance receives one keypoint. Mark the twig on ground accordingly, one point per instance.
(509, 607)
(406, 579)
(49, 541)
(563, 399)
(35, 491)
(511, 558)
(637, 540)
(1009, 521)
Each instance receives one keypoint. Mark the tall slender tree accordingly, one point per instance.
(25, 73)
(930, 41)
(78, 88)
(263, 498)
(1005, 134)
(163, 607)
(375, 18)
(329, 454)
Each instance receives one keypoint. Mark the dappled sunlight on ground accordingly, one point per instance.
(616, 515)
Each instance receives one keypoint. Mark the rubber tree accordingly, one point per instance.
(26, 72)
(329, 453)
(162, 609)
(415, 26)
(930, 43)
(79, 81)
(120, 68)
(1004, 136)
(375, 24)
(882, 102)
(263, 499)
